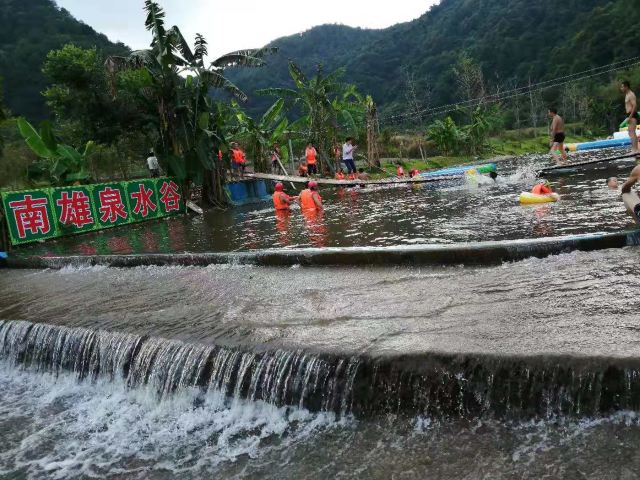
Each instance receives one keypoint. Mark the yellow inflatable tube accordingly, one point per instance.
(528, 198)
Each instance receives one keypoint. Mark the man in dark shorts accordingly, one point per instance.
(631, 107)
(556, 133)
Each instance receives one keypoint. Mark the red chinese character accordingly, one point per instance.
(111, 206)
(31, 215)
(76, 210)
(170, 197)
(143, 201)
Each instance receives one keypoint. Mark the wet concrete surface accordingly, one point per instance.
(579, 304)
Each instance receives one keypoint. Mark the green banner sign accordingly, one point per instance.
(54, 212)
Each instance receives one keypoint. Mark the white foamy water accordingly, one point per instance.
(59, 428)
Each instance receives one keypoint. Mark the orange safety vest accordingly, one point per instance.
(400, 172)
(279, 201)
(339, 176)
(311, 154)
(352, 176)
(238, 156)
(306, 199)
(541, 190)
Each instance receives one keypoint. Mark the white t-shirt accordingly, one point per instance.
(347, 151)
(153, 164)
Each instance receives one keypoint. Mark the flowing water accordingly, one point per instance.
(522, 370)
(447, 213)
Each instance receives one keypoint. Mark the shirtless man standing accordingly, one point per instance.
(556, 132)
(631, 106)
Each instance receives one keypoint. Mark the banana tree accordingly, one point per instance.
(178, 87)
(328, 107)
(59, 164)
(261, 136)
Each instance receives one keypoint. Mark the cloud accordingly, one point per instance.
(240, 24)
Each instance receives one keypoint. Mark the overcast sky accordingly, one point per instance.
(237, 24)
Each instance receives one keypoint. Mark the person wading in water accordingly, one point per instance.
(310, 199)
(282, 201)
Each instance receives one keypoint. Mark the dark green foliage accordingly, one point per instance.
(512, 40)
(29, 30)
(58, 164)
(81, 99)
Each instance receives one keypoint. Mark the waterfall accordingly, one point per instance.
(437, 385)
(278, 377)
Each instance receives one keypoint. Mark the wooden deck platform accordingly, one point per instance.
(568, 166)
(348, 183)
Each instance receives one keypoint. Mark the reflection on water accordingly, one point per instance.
(393, 215)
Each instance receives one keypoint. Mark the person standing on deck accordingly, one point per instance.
(282, 201)
(556, 132)
(631, 107)
(310, 199)
(348, 149)
(238, 159)
(154, 166)
(337, 154)
(311, 154)
(275, 158)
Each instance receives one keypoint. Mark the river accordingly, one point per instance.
(520, 370)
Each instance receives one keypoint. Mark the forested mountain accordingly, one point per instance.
(29, 29)
(512, 41)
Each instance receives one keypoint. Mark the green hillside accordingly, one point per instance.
(29, 29)
(512, 40)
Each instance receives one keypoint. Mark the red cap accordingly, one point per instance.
(279, 187)
(313, 184)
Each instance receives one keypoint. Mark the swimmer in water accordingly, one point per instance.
(612, 183)
(543, 187)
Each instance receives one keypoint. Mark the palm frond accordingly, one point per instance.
(243, 58)
(297, 75)
(177, 40)
(214, 79)
(277, 92)
(200, 49)
(155, 23)
(272, 114)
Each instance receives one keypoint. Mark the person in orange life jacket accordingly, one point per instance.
(543, 187)
(303, 170)
(352, 176)
(309, 198)
(238, 160)
(282, 201)
(311, 154)
(337, 154)
(414, 173)
(400, 171)
(340, 174)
